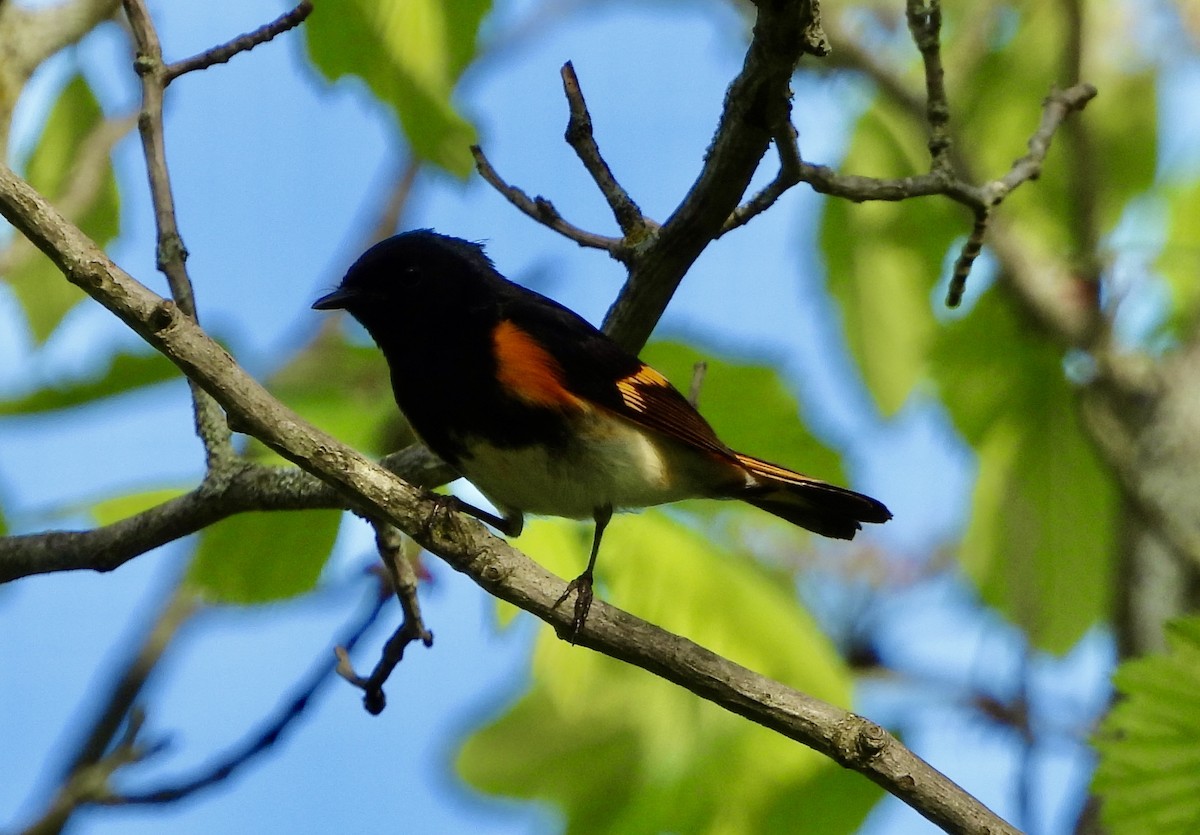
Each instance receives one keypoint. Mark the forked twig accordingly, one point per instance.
(390, 541)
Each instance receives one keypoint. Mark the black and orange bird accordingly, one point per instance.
(544, 413)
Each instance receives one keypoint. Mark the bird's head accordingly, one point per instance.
(417, 273)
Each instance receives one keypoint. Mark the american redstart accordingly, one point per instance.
(543, 412)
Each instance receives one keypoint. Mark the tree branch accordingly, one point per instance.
(249, 488)
(467, 546)
(264, 738)
(543, 211)
(757, 103)
(211, 425)
(580, 137)
(242, 43)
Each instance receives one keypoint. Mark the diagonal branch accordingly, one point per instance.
(467, 546)
(242, 43)
(262, 739)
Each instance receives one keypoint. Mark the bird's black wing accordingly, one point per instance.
(602, 373)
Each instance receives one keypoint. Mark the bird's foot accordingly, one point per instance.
(444, 507)
(581, 587)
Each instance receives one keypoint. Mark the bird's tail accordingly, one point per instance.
(808, 502)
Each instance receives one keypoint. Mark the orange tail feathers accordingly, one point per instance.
(812, 504)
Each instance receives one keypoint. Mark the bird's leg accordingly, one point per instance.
(582, 585)
(510, 525)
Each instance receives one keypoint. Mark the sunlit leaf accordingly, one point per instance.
(1042, 535)
(651, 756)
(410, 53)
(125, 372)
(1149, 744)
(749, 406)
(883, 259)
(43, 293)
(1180, 258)
(343, 389)
(107, 511)
(261, 557)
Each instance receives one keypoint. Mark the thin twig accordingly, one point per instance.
(579, 136)
(390, 541)
(543, 211)
(266, 736)
(1055, 109)
(790, 165)
(925, 24)
(243, 43)
(966, 258)
(123, 694)
(171, 254)
(699, 370)
(92, 783)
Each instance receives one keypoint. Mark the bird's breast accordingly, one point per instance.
(606, 460)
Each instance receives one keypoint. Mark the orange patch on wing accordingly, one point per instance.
(632, 387)
(528, 371)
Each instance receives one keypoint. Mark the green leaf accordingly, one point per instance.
(997, 119)
(40, 288)
(619, 750)
(410, 53)
(1149, 745)
(883, 259)
(262, 557)
(835, 799)
(750, 408)
(125, 372)
(1179, 257)
(114, 509)
(1042, 536)
(343, 389)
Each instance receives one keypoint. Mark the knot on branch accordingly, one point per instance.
(857, 741)
(164, 315)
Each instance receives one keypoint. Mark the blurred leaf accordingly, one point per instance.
(883, 259)
(125, 372)
(1149, 771)
(114, 509)
(1023, 45)
(410, 53)
(343, 389)
(836, 799)
(651, 756)
(749, 406)
(1180, 258)
(41, 289)
(263, 557)
(1042, 535)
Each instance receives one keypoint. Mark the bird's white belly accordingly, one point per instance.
(613, 463)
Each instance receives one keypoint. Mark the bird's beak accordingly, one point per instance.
(338, 299)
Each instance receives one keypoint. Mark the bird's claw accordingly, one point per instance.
(581, 587)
